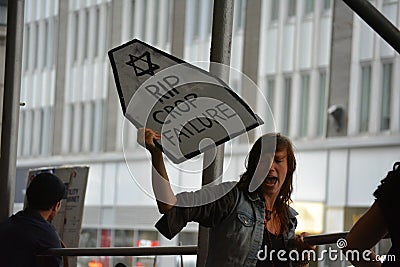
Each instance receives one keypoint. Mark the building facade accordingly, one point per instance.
(330, 82)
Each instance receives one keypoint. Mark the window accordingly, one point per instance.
(50, 42)
(97, 125)
(156, 19)
(36, 46)
(144, 16)
(133, 7)
(274, 10)
(365, 97)
(86, 42)
(96, 32)
(327, 5)
(286, 105)
(169, 21)
(386, 92)
(47, 43)
(46, 131)
(196, 20)
(76, 47)
(291, 11)
(322, 102)
(270, 93)
(108, 27)
(305, 93)
(308, 7)
(239, 14)
(21, 132)
(26, 45)
(3, 15)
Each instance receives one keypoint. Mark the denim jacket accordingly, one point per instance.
(236, 223)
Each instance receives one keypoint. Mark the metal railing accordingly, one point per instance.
(322, 239)
(123, 251)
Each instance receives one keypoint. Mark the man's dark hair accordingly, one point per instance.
(44, 191)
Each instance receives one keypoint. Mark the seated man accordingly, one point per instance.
(29, 231)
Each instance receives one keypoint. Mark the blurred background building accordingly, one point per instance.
(330, 81)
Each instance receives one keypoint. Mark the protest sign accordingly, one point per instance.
(192, 109)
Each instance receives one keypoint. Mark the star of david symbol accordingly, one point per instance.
(142, 64)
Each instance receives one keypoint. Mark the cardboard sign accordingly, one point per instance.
(68, 221)
(192, 109)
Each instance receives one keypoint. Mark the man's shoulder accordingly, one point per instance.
(24, 222)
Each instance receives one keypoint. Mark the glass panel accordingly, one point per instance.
(386, 92)
(291, 8)
(96, 32)
(322, 103)
(308, 7)
(196, 20)
(27, 40)
(46, 133)
(327, 4)
(144, 20)
(240, 13)
(156, 19)
(86, 35)
(169, 21)
(286, 105)
(271, 93)
(46, 43)
(133, 19)
(97, 122)
(76, 47)
(274, 10)
(305, 92)
(49, 42)
(365, 96)
(3, 15)
(36, 46)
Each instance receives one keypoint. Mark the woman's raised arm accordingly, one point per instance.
(160, 182)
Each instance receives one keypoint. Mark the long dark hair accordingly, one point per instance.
(269, 143)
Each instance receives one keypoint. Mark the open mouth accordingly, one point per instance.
(271, 180)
